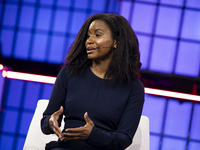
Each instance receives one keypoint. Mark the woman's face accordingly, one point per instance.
(99, 44)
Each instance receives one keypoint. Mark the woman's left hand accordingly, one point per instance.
(80, 133)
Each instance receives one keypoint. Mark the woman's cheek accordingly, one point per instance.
(103, 42)
(100, 42)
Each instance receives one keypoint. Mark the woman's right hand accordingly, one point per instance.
(53, 123)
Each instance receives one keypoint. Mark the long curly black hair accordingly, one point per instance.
(125, 63)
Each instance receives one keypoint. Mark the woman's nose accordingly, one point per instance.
(90, 40)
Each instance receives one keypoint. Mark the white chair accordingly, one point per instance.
(141, 137)
(36, 140)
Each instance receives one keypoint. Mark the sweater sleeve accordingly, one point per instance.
(56, 100)
(127, 126)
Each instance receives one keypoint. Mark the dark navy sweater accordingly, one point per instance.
(115, 110)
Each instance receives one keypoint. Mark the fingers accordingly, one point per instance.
(75, 130)
(73, 138)
(88, 120)
(57, 131)
(61, 109)
(53, 123)
(80, 133)
(59, 112)
(59, 134)
(76, 134)
(54, 126)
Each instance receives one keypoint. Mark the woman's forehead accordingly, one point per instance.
(98, 24)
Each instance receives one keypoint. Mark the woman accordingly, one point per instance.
(97, 90)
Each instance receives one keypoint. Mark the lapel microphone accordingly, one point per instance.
(98, 47)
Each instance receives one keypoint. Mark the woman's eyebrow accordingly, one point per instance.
(98, 29)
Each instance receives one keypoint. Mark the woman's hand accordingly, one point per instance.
(80, 133)
(53, 123)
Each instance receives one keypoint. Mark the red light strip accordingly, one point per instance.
(51, 80)
(172, 94)
(1, 67)
(28, 77)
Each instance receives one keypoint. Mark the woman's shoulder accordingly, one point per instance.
(64, 69)
(133, 85)
(137, 84)
(63, 72)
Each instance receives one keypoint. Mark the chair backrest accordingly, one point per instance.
(36, 140)
(141, 137)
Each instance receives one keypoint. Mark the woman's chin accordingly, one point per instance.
(90, 56)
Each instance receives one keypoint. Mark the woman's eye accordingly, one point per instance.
(98, 35)
(88, 36)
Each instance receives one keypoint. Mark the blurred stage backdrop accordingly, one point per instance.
(36, 34)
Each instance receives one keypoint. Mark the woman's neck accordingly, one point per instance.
(99, 68)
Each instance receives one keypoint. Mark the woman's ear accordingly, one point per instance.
(115, 44)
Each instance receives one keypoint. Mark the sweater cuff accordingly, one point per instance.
(45, 126)
(98, 138)
(91, 138)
